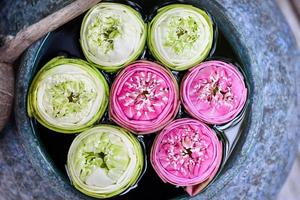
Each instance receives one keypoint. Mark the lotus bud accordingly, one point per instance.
(144, 97)
(180, 36)
(68, 95)
(213, 92)
(186, 153)
(112, 35)
(104, 161)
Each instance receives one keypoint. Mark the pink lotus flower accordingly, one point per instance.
(144, 97)
(186, 153)
(213, 92)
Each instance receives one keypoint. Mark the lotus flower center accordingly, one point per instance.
(73, 98)
(67, 97)
(183, 32)
(102, 159)
(216, 89)
(185, 151)
(144, 95)
(103, 31)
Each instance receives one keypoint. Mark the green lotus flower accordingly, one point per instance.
(180, 36)
(104, 161)
(112, 35)
(68, 95)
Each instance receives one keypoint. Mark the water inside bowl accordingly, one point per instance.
(65, 41)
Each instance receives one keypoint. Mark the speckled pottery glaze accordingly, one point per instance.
(262, 42)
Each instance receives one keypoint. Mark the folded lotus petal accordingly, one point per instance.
(67, 95)
(104, 161)
(196, 189)
(180, 36)
(112, 35)
(144, 97)
(186, 153)
(213, 92)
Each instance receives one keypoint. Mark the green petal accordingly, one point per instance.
(107, 171)
(67, 95)
(112, 35)
(180, 36)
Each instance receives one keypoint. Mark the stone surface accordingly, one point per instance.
(291, 188)
(16, 14)
(264, 155)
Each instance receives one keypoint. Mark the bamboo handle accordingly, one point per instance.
(15, 46)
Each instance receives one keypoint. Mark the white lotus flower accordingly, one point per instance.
(112, 35)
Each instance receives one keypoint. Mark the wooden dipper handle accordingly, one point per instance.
(14, 47)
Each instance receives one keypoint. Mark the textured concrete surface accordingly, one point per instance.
(18, 179)
(16, 14)
(263, 157)
(291, 187)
